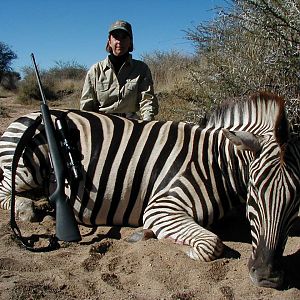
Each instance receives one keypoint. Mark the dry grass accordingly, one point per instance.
(4, 93)
(4, 113)
(178, 109)
(71, 101)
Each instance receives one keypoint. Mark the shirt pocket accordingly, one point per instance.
(131, 89)
(103, 86)
(131, 84)
(103, 93)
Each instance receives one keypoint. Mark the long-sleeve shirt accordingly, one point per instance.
(129, 91)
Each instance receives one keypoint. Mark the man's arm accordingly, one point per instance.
(88, 99)
(148, 103)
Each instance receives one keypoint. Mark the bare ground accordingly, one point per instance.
(105, 266)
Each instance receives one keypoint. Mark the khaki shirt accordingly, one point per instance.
(130, 91)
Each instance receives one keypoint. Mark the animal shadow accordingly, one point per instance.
(234, 227)
(113, 233)
(291, 267)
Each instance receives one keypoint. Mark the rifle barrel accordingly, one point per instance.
(38, 79)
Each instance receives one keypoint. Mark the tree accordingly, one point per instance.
(253, 45)
(6, 57)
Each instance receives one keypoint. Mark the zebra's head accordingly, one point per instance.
(273, 185)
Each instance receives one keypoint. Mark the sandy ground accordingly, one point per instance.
(106, 266)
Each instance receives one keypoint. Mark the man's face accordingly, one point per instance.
(119, 41)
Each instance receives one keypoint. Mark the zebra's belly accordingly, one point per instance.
(110, 211)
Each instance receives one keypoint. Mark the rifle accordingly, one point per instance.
(66, 225)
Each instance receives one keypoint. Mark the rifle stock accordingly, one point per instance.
(66, 225)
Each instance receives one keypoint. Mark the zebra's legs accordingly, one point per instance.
(26, 209)
(182, 229)
(32, 210)
(141, 235)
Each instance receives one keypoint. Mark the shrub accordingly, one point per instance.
(4, 113)
(168, 68)
(29, 89)
(7, 55)
(70, 70)
(58, 82)
(254, 46)
(9, 80)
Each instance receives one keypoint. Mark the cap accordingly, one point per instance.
(122, 25)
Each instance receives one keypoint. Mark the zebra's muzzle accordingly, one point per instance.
(267, 278)
(266, 272)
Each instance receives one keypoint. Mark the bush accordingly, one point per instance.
(29, 90)
(58, 82)
(9, 80)
(254, 46)
(170, 72)
(3, 112)
(7, 55)
(168, 68)
(70, 70)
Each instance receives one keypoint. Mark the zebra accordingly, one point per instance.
(176, 179)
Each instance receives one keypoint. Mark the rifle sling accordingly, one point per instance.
(28, 242)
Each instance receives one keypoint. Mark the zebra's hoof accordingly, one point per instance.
(25, 210)
(141, 235)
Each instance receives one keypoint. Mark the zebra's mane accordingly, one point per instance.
(260, 114)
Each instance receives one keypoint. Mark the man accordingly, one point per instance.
(120, 84)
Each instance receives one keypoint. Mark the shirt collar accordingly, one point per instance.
(108, 64)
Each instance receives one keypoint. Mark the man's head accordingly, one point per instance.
(119, 30)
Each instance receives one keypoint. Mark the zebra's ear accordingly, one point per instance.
(243, 140)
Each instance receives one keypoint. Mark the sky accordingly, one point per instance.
(77, 30)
